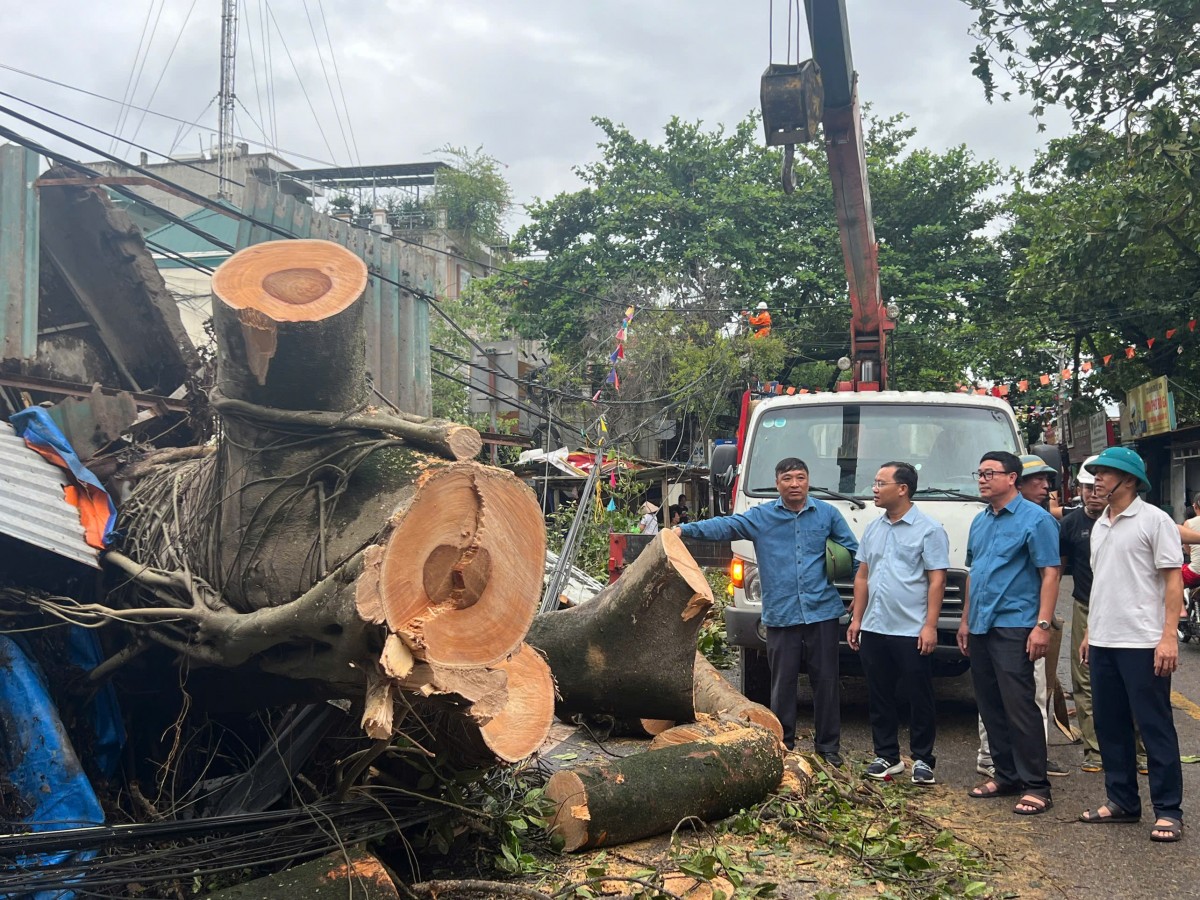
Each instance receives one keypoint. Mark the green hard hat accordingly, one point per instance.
(1123, 460)
(839, 564)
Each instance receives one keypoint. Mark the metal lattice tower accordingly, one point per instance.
(227, 96)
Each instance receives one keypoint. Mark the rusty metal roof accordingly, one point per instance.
(32, 507)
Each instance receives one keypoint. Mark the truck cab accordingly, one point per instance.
(844, 437)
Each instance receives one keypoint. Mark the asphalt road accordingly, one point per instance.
(1068, 859)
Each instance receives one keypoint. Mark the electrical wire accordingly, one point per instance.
(293, 153)
(123, 113)
(166, 65)
(132, 68)
(338, 75)
(328, 83)
(300, 81)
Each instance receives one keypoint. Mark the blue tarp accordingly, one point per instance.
(36, 756)
(37, 428)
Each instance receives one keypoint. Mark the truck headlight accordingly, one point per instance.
(753, 585)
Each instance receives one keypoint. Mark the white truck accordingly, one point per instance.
(844, 437)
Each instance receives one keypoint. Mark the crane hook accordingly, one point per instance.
(788, 175)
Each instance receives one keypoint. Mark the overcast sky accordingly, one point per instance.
(520, 78)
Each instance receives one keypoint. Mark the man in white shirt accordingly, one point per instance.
(1131, 645)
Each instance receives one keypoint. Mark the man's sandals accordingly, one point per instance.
(1033, 805)
(1164, 834)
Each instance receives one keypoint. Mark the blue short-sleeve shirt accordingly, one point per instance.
(1005, 550)
(790, 550)
(898, 556)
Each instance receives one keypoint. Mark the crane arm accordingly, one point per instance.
(842, 125)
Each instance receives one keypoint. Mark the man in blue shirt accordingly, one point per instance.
(902, 563)
(1012, 589)
(800, 607)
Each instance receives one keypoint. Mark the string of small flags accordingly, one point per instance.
(1023, 385)
(1109, 360)
(618, 354)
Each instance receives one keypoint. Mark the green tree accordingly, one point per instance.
(475, 194)
(1105, 236)
(694, 229)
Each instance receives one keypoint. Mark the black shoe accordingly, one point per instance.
(1056, 769)
(833, 759)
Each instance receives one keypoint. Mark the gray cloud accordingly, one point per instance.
(522, 78)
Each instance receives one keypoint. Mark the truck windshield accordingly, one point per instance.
(844, 445)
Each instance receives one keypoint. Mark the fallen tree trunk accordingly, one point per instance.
(617, 801)
(629, 651)
(716, 697)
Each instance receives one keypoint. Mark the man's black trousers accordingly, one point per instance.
(891, 662)
(1125, 690)
(1004, 691)
(816, 646)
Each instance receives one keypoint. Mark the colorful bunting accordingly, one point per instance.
(1044, 379)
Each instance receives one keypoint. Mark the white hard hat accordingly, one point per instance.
(762, 304)
(1084, 476)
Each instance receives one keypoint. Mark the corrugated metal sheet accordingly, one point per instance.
(18, 253)
(397, 321)
(32, 508)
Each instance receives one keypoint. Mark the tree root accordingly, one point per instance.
(448, 439)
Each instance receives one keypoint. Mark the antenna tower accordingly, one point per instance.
(227, 96)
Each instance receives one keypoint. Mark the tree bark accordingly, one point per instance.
(614, 802)
(629, 652)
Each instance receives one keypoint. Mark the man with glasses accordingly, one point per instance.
(898, 589)
(1012, 589)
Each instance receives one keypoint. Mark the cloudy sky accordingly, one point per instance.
(521, 78)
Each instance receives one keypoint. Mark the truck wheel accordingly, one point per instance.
(755, 675)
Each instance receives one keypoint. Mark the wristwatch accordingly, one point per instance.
(1043, 624)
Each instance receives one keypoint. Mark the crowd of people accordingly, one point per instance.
(1124, 555)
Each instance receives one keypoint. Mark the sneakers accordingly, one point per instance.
(1056, 769)
(882, 770)
(987, 770)
(922, 772)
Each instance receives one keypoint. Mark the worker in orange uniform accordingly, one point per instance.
(760, 321)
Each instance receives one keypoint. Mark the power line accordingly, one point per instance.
(338, 75)
(166, 65)
(167, 116)
(300, 81)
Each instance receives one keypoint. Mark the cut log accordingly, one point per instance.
(524, 723)
(614, 802)
(461, 574)
(716, 697)
(629, 652)
(279, 322)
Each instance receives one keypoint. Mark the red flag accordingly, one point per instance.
(804, 390)
(1108, 359)
(1066, 374)
(1003, 390)
(1044, 379)
(1150, 342)
(1171, 333)
(1129, 351)
(1087, 366)
(1192, 325)
(1022, 385)
(791, 391)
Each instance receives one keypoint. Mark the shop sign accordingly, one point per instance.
(1147, 411)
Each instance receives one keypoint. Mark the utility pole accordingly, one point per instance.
(490, 354)
(227, 95)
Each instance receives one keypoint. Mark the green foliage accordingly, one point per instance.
(1099, 58)
(591, 554)
(475, 194)
(693, 229)
(712, 640)
(894, 845)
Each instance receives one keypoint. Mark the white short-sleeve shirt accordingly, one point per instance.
(1127, 605)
